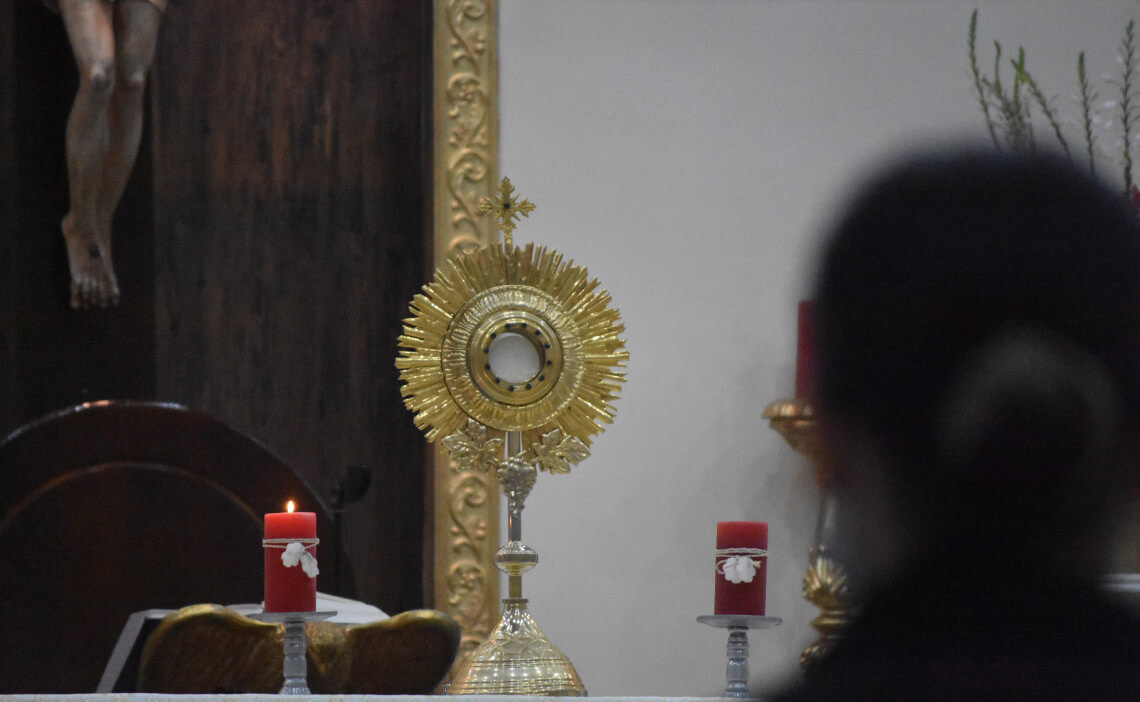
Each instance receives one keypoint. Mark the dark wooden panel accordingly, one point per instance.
(289, 158)
(289, 186)
(7, 213)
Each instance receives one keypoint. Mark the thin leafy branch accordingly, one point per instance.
(1008, 111)
(1088, 97)
(1050, 113)
(985, 104)
(1128, 52)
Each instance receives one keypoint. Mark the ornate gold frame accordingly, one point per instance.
(464, 505)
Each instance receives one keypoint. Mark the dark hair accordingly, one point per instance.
(979, 316)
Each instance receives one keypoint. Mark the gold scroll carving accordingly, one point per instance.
(465, 583)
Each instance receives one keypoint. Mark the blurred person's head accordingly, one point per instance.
(978, 330)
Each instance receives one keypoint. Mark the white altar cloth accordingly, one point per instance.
(147, 697)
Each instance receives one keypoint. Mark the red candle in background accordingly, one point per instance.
(805, 351)
(289, 589)
(741, 597)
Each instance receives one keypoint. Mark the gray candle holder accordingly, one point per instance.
(294, 668)
(738, 626)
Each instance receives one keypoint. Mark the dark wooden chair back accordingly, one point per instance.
(114, 507)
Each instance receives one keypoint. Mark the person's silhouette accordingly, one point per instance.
(978, 333)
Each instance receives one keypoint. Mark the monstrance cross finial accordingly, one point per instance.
(506, 208)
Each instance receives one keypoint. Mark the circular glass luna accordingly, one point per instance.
(515, 357)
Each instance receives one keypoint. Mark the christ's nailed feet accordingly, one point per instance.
(93, 283)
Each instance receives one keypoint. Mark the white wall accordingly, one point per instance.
(689, 153)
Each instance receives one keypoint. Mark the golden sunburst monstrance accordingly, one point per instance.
(512, 358)
(529, 293)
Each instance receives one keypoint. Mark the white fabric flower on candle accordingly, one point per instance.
(294, 554)
(291, 556)
(309, 564)
(739, 569)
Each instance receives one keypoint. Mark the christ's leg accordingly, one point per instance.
(136, 31)
(90, 31)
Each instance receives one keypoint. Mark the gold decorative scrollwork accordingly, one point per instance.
(469, 494)
(467, 586)
(469, 592)
(465, 583)
(466, 114)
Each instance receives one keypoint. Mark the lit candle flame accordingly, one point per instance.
(289, 507)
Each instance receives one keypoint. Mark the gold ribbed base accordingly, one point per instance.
(517, 659)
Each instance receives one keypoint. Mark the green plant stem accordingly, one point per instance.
(1046, 109)
(1088, 97)
(1017, 111)
(978, 79)
(1128, 49)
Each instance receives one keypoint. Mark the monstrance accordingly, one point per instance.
(512, 359)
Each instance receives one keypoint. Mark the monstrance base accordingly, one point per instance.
(517, 659)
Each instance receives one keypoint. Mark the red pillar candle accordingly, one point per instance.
(740, 585)
(290, 570)
(805, 351)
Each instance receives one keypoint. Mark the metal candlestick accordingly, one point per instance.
(738, 625)
(517, 658)
(295, 667)
(827, 582)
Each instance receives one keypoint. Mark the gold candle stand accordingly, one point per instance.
(826, 583)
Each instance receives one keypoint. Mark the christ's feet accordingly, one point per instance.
(93, 282)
